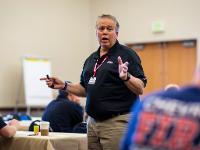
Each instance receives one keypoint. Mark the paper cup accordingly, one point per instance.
(44, 128)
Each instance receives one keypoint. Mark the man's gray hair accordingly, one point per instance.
(109, 17)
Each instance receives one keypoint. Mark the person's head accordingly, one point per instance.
(172, 87)
(73, 98)
(107, 28)
(69, 96)
(62, 94)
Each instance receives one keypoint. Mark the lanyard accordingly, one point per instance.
(97, 67)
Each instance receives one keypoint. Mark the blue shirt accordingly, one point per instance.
(63, 114)
(165, 120)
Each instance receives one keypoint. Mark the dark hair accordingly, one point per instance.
(62, 94)
(109, 17)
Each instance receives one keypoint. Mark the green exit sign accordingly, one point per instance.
(157, 26)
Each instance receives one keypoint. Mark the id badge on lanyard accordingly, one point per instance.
(93, 78)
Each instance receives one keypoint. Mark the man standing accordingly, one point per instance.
(112, 79)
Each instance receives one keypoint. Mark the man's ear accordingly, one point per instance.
(117, 33)
(96, 33)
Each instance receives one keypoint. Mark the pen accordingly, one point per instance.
(52, 86)
(32, 134)
(47, 76)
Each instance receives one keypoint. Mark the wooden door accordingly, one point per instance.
(167, 62)
(179, 62)
(151, 57)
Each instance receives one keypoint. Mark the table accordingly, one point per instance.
(55, 141)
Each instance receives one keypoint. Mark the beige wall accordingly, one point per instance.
(63, 30)
(57, 29)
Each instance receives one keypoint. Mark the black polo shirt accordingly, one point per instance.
(109, 95)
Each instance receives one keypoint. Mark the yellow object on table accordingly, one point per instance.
(36, 129)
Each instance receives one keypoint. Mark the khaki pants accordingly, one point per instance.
(106, 135)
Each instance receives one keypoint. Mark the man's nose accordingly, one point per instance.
(105, 30)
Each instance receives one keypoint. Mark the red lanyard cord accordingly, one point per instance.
(97, 67)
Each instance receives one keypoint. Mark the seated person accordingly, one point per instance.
(166, 120)
(8, 130)
(64, 112)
